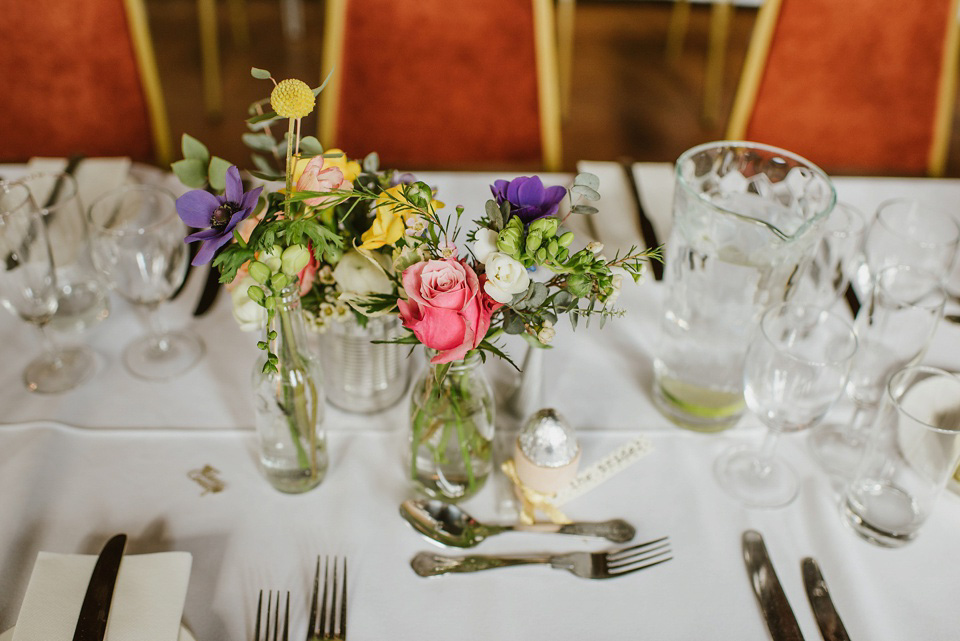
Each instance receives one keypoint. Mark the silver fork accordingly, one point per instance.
(329, 627)
(588, 565)
(271, 623)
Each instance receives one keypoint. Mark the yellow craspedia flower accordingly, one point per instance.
(292, 98)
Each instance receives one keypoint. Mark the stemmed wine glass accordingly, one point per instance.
(28, 289)
(894, 328)
(137, 244)
(834, 260)
(795, 369)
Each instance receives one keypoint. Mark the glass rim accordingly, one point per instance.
(885, 207)
(933, 371)
(820, 311)
(27, 200)
(720, 144)
(937, 287)
(855, 214)
(162, 219)
(69, 179)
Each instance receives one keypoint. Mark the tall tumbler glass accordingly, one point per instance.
(746, 221)
(913, 451)
(894, 328)
(82, 298)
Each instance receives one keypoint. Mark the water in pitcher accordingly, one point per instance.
(738, 243)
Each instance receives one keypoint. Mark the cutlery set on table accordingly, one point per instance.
(450, 526)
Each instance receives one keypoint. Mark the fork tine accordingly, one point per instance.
(286, 615)
(343, 604)
(622, 572)
(620, 559)
(256, 626)
(311, 627)
(334, 629)
(322, 626)
(623, 551)
(276, 618)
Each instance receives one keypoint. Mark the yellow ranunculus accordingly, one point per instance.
(350, 168)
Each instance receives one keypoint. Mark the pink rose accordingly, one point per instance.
(447, 309)
(316, 178)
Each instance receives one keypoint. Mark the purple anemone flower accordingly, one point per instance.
(528, 198)
(216, 216)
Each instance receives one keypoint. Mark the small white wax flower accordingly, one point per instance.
(505, 277)
(363, 274)
(448, 250)
(343, 312)
(325, 275)
(250, 316)
(485, 244)
(617, 284)
(326, 312)
(594, 247)
(416, 225)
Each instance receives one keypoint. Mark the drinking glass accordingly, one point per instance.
(914, 448)
(893, 329)
(835, 259)
(82, 298)
(907, 232)
(795, 369)
(137, 242)
(28, 289)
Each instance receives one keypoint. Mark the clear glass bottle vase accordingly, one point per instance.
(451, 430)
(363, 376)
(290, 403)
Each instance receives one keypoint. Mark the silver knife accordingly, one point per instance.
(777, 614)
(831, 627)
(92, 622)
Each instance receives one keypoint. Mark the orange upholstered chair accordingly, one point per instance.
(441, 84)
(864, 86)
(79, 78)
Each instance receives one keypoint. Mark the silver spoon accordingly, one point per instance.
(449, 525)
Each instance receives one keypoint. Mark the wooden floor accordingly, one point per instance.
(627, 102)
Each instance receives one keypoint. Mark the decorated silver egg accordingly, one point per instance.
(548, 440)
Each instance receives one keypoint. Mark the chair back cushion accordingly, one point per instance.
(439, 83)
(69, 81)
(852, 85)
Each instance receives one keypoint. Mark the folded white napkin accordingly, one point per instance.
(95, 176)
(147, 600)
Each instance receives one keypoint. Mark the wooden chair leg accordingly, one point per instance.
(720, 15)
(239, 23)
(565, 20)
(210, 56)
(677, 30)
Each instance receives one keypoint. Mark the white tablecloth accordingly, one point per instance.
(67, 487)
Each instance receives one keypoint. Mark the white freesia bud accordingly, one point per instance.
(485, 244)
(357, 273)
(271, 258)
(546, 333)
(505, 277)
(594, 247)
(250, 316)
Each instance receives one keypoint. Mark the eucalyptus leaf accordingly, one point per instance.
(537, 293)
(494, 215)
(267, 176)
(564, 301)
(260, 142)
(193, 148)
(316, 92)
(259, 74)
(574, 318)
(587, 179)
(263, 164)
(587, 192)
(584, 209)
(311, 145)
(512, 324)
(371, 163)
(217, 173)
(265, 117)
(191, 172)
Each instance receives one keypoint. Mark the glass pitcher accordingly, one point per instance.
(746, 220)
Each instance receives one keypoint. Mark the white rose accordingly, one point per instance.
(505, 277)
(485, 244)
(358, 273)
(250, 316)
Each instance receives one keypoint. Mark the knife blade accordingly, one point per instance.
(777, 613)
(209, 294)
(831, 627)
(92, 622)
(646, 225)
